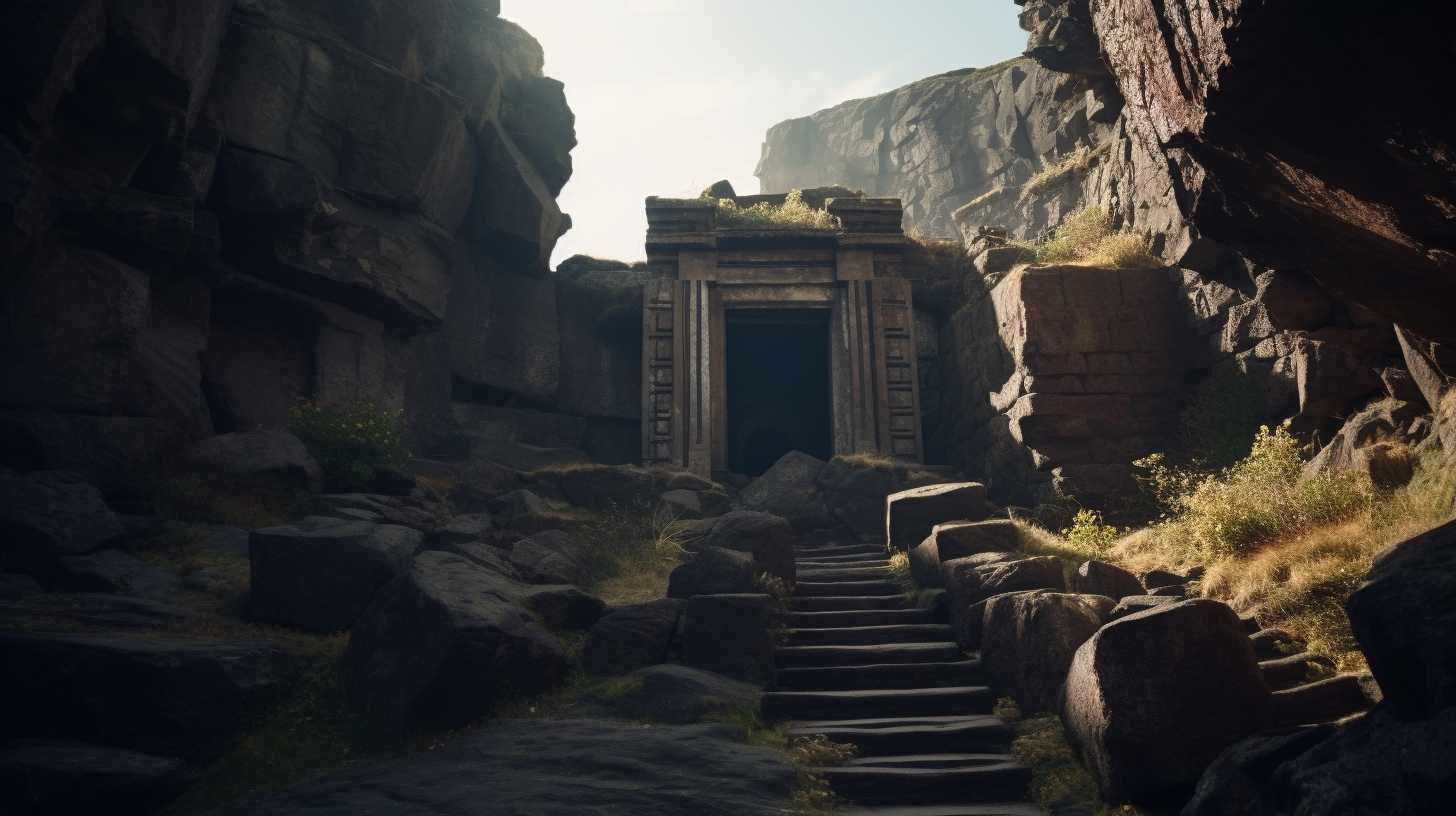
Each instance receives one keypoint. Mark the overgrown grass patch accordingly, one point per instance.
(349, 440)
(195, 495)
(811, 794)
(1058, 779)
(630, 553)
(1089, 238)
(902, 577)
(794, 213)
(1080, 159)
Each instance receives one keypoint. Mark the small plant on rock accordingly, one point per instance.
(1088, 532)
(349, 441)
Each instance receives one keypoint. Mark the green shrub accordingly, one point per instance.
(1089, 238)
(793, 213)
(349, 441)
(1218, 427)
(1088, 532)
(1057, 777)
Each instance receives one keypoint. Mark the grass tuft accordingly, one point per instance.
(794, 213)
(630, 554)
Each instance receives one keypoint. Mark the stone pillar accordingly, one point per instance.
(659, 329)
(894, 348)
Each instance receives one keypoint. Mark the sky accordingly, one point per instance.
(672, 95)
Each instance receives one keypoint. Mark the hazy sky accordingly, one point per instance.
(672, 95)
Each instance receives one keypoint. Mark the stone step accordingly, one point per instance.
(779, 706)
(929, 760)
(915, 735)
(839, 603)
(883, 676)
(869, 635)
(842, 561)
(795, 657)
(841, 549)
(856, 617)
(986, 783)
(842, 574)
(816, 589)
(959, 809)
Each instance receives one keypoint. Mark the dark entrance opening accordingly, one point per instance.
(778, 386)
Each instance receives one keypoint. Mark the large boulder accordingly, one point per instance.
(320, 575)
(1151, 699)
(729, 635)
(1376, 763)
(1041, 572)
(1028, 639)
(602, 488)
(549, 557)
(784, 488)
(114, 453)
(520, 511)
(958, 539)
(64, 776)
(1404, 617)
(271, 452)
(677, 694)
(442, 643)
(1098, 578)
(122, 574)
(712, 571)
(632, 637)
(961, 582)
(485, 555)
(462, 529)
(48, 516)
(769, 539)
(170, 696)
(911, 515)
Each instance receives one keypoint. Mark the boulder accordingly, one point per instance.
(1098, 578)
(487, 555)
(1376, 763)
(117, 572)
(114, 453)
(855, 496)
(632, 637)
(461, 530)
(520, 511)
(1028, 639)
(320, 575)
(565, 607)
(549, 557)
(125, 613)
(911, 515)
(682, 504)
(64, 776)
(587, 766)
(925, 563)
(1153, 698)
(1287, 672)
(712, 571)
(959, 539)
(1133, 604)
(18, 587)
(1042, 572)
(769, 539)
(48, 516)
(170, 696)
(1368, 443)
(1404, 617)
(1272, 644)
(441, 643)
(784, 488)
(729, 635)
(274, 452)
(1156, 579)
(1177, 591)
(961, 581)
(601, 488)
(678, 695)
(516, 456)
(1325, 700)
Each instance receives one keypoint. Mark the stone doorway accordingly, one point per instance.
(777, 389)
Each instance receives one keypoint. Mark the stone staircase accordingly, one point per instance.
(861, 668)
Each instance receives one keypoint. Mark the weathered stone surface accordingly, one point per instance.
(1042, 572)
(1330, 379)
(520, 511)
(769, 539)
(729, 635)
(500, 331)
(854, 492)
(1097, 578)
(117, 572)
(565, 607)
(562, 766)
(1377, 763)
(784, 488)
(516, 456)
(18, 587)
(48, 516)
(1158, 578)
(1271, 644)
(80, 778)
(600, 313)
(1368, 443)
(925, 563)
(125, 613)
(170, 696)
(1028, 639)
(1321, 701)
(602, 488)
(486, 555)
(632, 637)
(962, 581)
(275, 453)
(1133, 604)
(321, 575)
(1404, 617)
(960, 539)
(677, 694)
(1153, 698)
(441, 642)
(550, 557)
(463, 529)
(683, 504)
(712, 571)
(911, 515)
(113, 453)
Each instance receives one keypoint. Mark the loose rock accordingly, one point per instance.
(911, 515)
(712, 571)
(565, 607)
(677, 694)
(1028, 639)
(321, 575)
(1097, 578)
(117, 572)
(272, 452)
(48, 516)
(769, 539)
(549, 557)
(631, 638)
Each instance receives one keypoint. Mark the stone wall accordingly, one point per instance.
(209, 209)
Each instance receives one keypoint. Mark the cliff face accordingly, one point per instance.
(209, 208)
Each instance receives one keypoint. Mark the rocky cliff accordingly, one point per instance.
(209, 209)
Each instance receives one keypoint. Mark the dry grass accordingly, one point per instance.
(873, 462)
(630, 554)
(1082, 158)
(1088, 238)
(794, 213)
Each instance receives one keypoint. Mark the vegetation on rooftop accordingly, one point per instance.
(794, 213)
